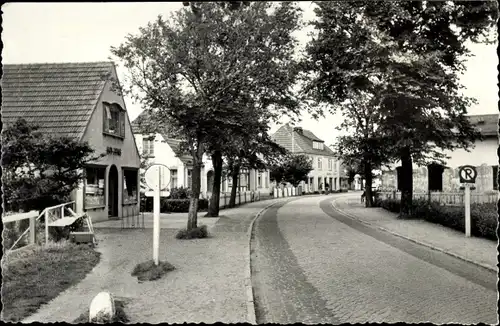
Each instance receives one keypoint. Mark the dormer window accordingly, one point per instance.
(114, 120)
(317, 145)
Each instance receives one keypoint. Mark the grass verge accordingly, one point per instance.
(36, 275)
(148, 271)
(120, 316)
(195, 233)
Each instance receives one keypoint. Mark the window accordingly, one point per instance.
(130, 193)
(266, 179)
(317, 145)
(94, 186)
(259, 180)
(330, 165)
(173, 179)
(495, 177)
(320, 163)
(189, 178)
(148, 147)
(114, 120)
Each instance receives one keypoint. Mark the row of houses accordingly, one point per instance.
(79, 100)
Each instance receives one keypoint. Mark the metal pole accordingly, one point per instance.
(156, 222)
(467, 210)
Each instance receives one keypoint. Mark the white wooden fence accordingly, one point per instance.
(446, 198)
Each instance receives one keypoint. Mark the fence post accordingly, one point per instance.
(46, 227)
(32, 230)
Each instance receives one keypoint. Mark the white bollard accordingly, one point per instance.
(102, 308)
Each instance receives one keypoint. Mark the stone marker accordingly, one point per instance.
(102, 308)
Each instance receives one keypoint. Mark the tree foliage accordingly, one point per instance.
(215, 75)
(398, 61)
(40, 171)
(293, 169)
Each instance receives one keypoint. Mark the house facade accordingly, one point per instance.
(445, 178)
(162, 147)
(78, 100)
(327, 168)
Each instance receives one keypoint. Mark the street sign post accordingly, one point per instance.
(467, 174)
(157, 178)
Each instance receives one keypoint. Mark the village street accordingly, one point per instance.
(312, 264)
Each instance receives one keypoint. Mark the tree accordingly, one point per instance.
(293, 169)
(213, 74)
(40, 171)
(404, 57)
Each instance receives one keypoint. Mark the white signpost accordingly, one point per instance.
(467, 174)
(157, 178)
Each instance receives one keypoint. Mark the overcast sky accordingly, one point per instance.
(83, 32)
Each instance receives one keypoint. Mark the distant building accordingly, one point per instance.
(445, 178)
(327, 168)
(77, 100)
(163, 146)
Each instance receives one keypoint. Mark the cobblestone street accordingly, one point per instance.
(312, 265)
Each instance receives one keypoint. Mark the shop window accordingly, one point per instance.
(173, 179)
(495, 177)
(130, 189)
(114, 120)
(94, 186)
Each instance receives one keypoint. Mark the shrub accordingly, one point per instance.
(180, 193)
(148, 271)
(483, 216)
(172, 205)
(195, 233)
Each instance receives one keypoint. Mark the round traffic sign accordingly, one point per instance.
(157, 175)
(467, 174)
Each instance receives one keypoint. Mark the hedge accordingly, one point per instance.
(483, 216)
(172, 205)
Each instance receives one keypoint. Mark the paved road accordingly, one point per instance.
(311, 264)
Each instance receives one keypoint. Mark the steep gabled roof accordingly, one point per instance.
(58, 97)
(303, 141)
(486, 124)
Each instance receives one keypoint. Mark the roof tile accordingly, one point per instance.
(58, 97)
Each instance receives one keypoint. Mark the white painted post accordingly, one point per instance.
(32, 230)
(467, 210)
(46, 227)
(156, 219)
(62, 211)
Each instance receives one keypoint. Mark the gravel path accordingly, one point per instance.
(207, 286)
(363, 279)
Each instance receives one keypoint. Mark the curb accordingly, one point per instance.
(488, 267)
(248, 269)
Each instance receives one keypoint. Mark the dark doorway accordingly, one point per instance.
(435, 177)
(113, 192)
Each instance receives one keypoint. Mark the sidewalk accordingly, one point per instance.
(208, 285)
(479, 251)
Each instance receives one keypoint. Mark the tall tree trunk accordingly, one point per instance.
(195, 189)
(368, 184)
(407, 182)
(235, 173)
(213, 208)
